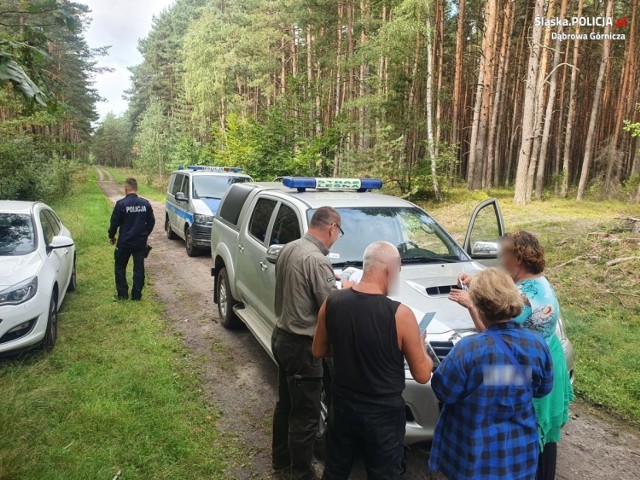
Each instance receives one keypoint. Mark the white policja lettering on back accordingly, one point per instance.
(136, 209)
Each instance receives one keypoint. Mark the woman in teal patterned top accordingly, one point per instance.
(523, 257)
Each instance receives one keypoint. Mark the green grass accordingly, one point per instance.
(152, 187)
(600, 304)
(118, 393)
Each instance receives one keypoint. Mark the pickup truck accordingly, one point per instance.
(255, 220)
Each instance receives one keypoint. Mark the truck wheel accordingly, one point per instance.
(226, 302)
(320, 447)
(171, 235)
(192, 250)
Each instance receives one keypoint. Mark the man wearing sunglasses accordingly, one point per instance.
(304, 279)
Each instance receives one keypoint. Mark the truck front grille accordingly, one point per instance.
(441, 349)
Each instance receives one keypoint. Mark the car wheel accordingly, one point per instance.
(51, 333)
(226, 302)
(192, 251)
(73, 282)
(171, 235)
(322, 437)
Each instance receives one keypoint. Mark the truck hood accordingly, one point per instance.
(16, 268)
(424, 288)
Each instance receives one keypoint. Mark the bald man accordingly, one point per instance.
(370, 336)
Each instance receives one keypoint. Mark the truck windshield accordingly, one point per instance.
(214, 186)
(418, 237)
(16, 234)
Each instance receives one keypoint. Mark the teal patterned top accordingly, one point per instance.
(542, 311)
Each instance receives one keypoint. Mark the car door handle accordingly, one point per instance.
(241, 248)
(263, 266)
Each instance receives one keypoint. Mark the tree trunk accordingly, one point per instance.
(539, 119)
(483, 99)
(503, 66)
(548, 116)
(571, 115)
(429, 113)
(528, 110)
(339, 64)
(595, 109)
(457, 87)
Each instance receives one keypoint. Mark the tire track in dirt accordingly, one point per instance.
(240, 379)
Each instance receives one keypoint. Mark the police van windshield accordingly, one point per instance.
(418, 237)
(214, 186)
(16, 234)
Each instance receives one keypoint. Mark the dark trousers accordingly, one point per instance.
(368, 427)
(295, 418)
(547, 462)
(122, 255)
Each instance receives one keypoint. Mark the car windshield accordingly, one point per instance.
(16, 234)
(418, 237)
(214, 186)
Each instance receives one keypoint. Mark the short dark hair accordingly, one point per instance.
(527, 250)
(324, 216)
(132, 183)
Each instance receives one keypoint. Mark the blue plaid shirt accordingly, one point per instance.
(487, 427)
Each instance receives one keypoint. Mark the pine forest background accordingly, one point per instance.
(427, 94)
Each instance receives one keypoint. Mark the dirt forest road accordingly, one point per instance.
(240, 379)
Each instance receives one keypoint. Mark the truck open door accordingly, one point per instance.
(485, 229)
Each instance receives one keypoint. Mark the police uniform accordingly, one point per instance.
(133, 216)
(304, 279)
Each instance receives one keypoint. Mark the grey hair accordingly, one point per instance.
(377, 255)
(324, 216)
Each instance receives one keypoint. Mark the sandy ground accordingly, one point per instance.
(239, 378)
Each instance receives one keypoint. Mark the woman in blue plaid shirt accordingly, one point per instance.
(487, 428)
(522, 256)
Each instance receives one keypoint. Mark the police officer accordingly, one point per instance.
(304, 279)
(133, 216)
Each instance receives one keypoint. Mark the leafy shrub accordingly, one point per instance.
(27, 174)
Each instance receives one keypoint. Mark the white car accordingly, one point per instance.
(37, 269)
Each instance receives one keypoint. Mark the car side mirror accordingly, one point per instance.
(484, 250)
(60, 241)
(273, 252)
(180, 197)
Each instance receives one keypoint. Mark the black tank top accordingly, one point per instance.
(363, 336)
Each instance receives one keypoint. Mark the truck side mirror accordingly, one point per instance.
(180, 197)
(484, 250)
(273, 252)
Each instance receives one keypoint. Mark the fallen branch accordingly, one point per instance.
(629, 219)
(573, 260)
(616, 261)
(117, 475)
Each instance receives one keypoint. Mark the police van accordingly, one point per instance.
(193, 197)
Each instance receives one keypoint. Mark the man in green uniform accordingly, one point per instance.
(304, 279)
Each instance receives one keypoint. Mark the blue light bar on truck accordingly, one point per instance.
(357, 184)
(209, 168)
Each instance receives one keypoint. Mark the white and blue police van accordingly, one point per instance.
(193, 196)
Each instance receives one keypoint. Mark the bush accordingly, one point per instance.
(28, 174)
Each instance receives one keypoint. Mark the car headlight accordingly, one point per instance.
(20, 292)
(200, 218)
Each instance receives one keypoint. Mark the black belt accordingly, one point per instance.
(293, 336)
